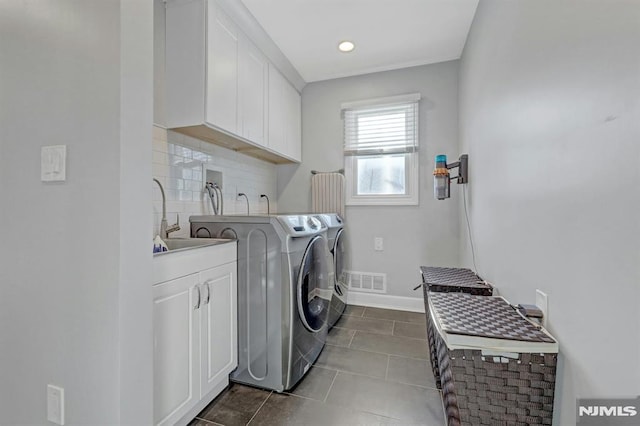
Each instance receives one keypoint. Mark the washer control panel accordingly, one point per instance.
(331, 220)
(301, 225)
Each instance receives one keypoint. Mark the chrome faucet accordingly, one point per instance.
(268, 204)
(242, 194)
(165, 230)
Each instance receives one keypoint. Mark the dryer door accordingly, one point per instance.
(314, 291)
(339, 252)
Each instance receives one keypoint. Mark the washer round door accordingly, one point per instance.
(314, 291)
(339, 252)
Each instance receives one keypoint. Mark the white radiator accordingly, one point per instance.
(327, 193)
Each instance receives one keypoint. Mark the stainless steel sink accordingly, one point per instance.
(175, 244)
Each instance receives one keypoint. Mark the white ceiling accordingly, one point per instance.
(388, 34)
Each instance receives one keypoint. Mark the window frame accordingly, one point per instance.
(411, 172)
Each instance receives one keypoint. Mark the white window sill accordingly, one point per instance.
(382, 201)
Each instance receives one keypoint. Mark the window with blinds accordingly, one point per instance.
(380, 148)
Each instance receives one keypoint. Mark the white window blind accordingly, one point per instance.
(381, 126)
(380, 150)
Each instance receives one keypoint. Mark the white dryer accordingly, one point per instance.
(337, 241)
(284, 294)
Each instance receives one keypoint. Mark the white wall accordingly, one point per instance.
(62, 81)
(426, 234)
(135, 298)
(177, 164)
(550, 113)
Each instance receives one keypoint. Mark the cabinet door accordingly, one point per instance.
(222, 70)
(276, 110)
(175, 349)
(184, 64)
(252, 89)
(218, 313)
(293, 122)
(284, 116)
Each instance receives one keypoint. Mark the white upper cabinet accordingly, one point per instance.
(222, 71)
(185, 63)
(284, 116)
(219, 85)
(276, 110)
(253, 94)
(293, 122)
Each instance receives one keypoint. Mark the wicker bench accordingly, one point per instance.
(495, 366)
(448, 280)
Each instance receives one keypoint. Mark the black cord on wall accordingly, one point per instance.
(466, 214)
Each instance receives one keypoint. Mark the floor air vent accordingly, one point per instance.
(369, 282)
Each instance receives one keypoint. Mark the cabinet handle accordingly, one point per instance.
(197, 304)
(206, 284)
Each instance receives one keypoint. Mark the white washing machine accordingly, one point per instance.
(338, 247)
(284, 294)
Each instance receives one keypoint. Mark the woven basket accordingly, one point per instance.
(443, 280)
(433, 356)
(484, 390)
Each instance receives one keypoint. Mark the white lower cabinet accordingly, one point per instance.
(218, 327)
(195, 343)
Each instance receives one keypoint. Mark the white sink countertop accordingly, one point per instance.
(190, 256)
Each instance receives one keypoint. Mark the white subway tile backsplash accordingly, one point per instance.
(172, 194)
(158, 170)
(184, 152)
(176, 160)
(177, 163)
(195, 186)
(192, 144)
(160, 157)
(200, 156)
(197, 174)
(160, 145)
(206, 147)
(174, 183)
(186, 174)
(175, 172)
(159, 133)
(175, 207)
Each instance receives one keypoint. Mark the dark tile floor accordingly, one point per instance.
(374, 370)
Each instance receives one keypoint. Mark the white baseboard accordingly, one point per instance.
(374, 300)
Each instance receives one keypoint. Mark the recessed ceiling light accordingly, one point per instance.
(346, 46)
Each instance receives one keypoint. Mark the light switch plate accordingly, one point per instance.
(53, 163)
(378, 244)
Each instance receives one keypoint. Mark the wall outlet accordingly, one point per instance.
(55, 404)
(542, 302)
(378, 244)
(53, 163)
